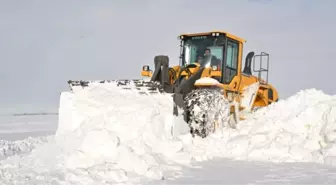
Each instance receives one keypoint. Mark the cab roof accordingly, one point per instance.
(216, 31)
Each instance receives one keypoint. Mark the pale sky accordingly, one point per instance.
(45, 43)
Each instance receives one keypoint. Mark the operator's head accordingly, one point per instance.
(207, 52)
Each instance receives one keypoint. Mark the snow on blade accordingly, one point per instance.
(132, 133)
(206, 81)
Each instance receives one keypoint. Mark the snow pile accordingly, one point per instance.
(300, 129)
(117, 134)
(10, 148)
(105, 126)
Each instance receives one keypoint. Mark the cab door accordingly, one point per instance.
(230, 61)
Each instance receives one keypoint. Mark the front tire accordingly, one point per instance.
(204, 108)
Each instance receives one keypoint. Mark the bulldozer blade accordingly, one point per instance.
(139, 85)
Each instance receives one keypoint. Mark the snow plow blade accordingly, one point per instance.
(152, 83)
(141, 86)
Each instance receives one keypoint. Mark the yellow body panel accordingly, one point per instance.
(173, 77)
(146, 73)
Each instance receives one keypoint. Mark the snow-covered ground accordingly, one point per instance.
(225, 171)
(106, 135)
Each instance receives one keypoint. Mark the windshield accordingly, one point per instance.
(206, 50)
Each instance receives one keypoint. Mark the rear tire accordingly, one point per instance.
(204, 107)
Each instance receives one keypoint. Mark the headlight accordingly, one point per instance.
(215, 34)
(214, 68)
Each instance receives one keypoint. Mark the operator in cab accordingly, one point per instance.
(208, 59)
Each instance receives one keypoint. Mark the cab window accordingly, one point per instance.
(231, 61)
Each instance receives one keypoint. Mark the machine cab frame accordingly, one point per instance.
(226, 48)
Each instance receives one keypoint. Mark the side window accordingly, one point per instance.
(232, 55)
(193, 54)
(231, 61)
(190, 53)
(217, 51)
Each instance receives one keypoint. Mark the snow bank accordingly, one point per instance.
(105, 125)
(10, 148)
(117, 134)
(298, 129)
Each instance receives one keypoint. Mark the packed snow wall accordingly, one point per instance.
(138, 135)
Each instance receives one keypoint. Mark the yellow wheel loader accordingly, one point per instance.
(210, 74)
(209, 86)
